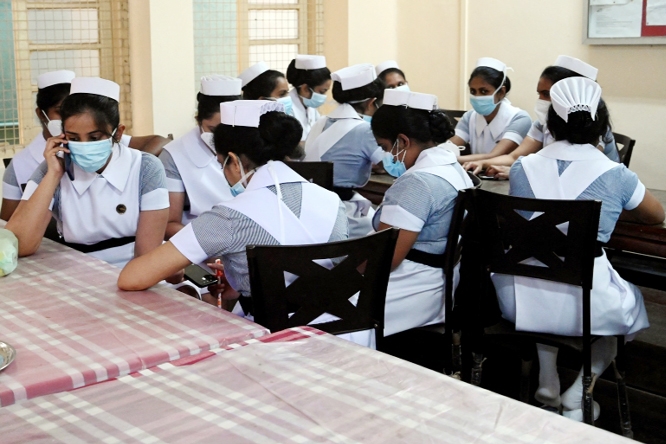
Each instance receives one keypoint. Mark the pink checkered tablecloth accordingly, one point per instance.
(295, 386)
(71, 326)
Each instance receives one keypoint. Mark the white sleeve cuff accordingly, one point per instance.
(175, 185)
(637, 197)
(377, 156)
(11, 192)
(125, 139)
(186, 242)
(398, 217)
(155, 200)
(30, 188)
(462, 134)
(535, 134)
(514, 137)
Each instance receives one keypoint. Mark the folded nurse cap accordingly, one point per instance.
(575, 94)
(253, 72)
(309, 62)
(95, 85)
(247, 112)
(492, 63)
(219, 85)
(410, 99)
(54, 78)
(388, 64)
(355, 76)
(577, 66)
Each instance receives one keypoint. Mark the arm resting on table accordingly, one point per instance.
(147, 270)
(648, 212)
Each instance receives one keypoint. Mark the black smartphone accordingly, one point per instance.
(68, 165)
(199, 276)
(484, 177)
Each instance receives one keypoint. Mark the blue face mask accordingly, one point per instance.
(315, 101)
(392, 165)
(288, 105)
(91, 156)
(366, 118)
(239, 186)
(485, 105)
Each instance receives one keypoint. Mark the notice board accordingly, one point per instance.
(625, 22)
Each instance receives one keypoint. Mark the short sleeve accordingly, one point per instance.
(214, 233)
(632, 189)
(341, 226)
(519, 185)
(518, 127)
(34, 182)
(186, 242)
(408, 203)
(536, 131)
(371, 150)
(153, 192)
(11, 189)
(462, 128)
(174, 182)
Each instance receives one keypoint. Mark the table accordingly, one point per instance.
(297, 385)
(71, 326)
(627, 236)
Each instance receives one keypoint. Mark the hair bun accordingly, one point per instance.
(281, 132)
(441, 127)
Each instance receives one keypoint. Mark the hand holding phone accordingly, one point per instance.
(199, 276)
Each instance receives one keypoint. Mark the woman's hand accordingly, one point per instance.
(498, 171)
(56, 165)
(220, 287)
(475, 166)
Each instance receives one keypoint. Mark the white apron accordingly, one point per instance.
(415, 293)
(306, 116)
(358, 209)
(201, 173)
(319, 211)
(616, 305)
(483, 135)
(93, 209)
(26, 162)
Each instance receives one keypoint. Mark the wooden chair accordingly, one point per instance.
(319, 173)
(627, 147)
(364, 268)
(509, 239)
(454, 114)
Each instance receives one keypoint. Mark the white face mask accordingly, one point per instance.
(54, 126)
(541, 110)
(208, 140)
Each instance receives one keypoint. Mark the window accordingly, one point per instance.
(86, 36)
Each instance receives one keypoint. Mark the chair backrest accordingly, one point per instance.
(627, 147)
(6, 161)
(319, 173)
(452, 255)
(475, 180)
(454, 114)
(362, 266)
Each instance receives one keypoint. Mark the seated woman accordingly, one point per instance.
(311, 80)
(390, 73)
(414, 135)
(108, 200)
(573, 168)
(194, 178)
(539, 136)
(494, 126)
(344, 137)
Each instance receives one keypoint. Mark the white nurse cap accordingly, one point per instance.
(253, 72)
(388, 64)
(219, 85)
(95, 85)
(310, 62)
(247, 112)
(54, 78)
(355, 76)
(410, 99)
(577, 66)
(492, 63)
(575, 94)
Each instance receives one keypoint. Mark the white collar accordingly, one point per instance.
(563, 150)
(344, 111)
(200, 154)
(36, 147)
(116, 172)
(499, 123)
(262, 177)
(435, 156)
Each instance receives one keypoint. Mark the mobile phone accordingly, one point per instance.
(68, 165)
(484, 177)
(199, 276)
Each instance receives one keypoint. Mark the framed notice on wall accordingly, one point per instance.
(625, 22)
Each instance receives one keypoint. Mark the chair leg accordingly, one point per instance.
(622, 398)
(588, 388)
(456, 356)
(477, 368)
(525, 374)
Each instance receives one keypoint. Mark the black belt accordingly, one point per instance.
(99, 246)
(429, 259)
(344, 193)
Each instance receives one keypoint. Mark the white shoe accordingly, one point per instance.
(548, 397)
(577, 414)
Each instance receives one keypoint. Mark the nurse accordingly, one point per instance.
(311, 80)
(538, 135)
(108, 200)
(194, 178)
(258, 82)
(494, 126)
(390, 73)
(573, 168)
(415, 134)
(344, 137)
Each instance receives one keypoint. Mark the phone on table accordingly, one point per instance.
(484, 176)
(199, 276)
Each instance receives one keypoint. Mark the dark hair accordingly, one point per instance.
(580, 128)
(311, 77)
(277, 137)
(491, 76)
(371, 90)
(104, 110)
(262, 85)
(383, 74)
(424, 126)
(207, 106)
(50, 96)
(557, 73)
